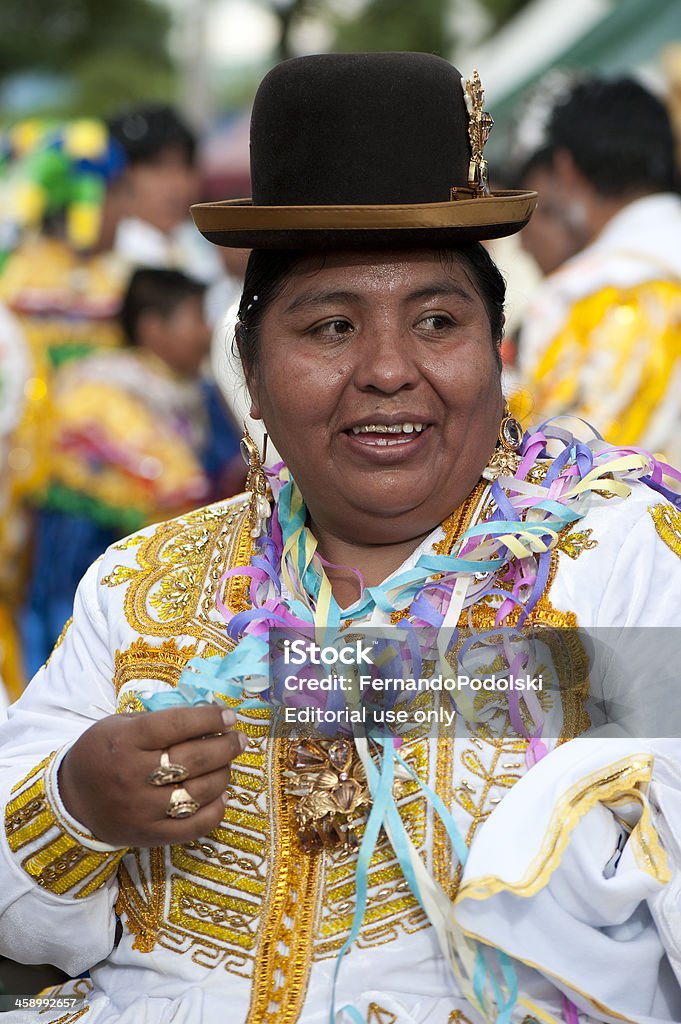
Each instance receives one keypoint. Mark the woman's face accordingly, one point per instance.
(378, 383)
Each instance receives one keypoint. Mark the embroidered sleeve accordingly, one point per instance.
(50, 845)
(627, 335)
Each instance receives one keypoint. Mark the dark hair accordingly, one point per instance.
(619, 136)
(268, 270)
(540, 160)
(157, 291)
(146, 131)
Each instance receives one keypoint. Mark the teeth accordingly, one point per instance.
(394, 428)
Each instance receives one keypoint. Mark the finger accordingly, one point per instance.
(204, 790)
(205, 755)
(158, 730)
(182, 830)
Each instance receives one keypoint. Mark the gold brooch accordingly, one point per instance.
(480, 124)
(328, 781)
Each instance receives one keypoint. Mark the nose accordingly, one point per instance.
(386, 360)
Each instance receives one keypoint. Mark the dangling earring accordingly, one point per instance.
(505, 459)
(256, 484)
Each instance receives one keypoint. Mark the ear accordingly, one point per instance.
(255, 412)
(150, 329)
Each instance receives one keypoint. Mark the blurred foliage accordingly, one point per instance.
(112, 52)
(395, 25)
(501, 11)
(384, 24)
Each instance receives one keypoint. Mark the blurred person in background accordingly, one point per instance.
(551, 237)
(600, 339)
(538, 250)
(15, 369)
(60, 292)
(135, 437)
(161, 182)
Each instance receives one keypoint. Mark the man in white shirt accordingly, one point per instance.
(600, 338)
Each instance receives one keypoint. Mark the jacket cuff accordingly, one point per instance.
(54, 849)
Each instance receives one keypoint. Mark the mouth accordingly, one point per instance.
(406, 434)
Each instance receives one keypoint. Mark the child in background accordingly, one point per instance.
(136, 436)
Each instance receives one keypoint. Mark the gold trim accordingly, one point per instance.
(379, 1015)
(502, 207)
(60, 639)
(143, 660)
(667, 521)
(622, 777)
(284, 955)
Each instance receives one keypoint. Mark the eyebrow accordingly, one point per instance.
(317, 298)
(322, 295)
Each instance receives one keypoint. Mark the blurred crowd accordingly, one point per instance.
(110, 413)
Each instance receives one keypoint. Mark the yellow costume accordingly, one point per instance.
(601, 338)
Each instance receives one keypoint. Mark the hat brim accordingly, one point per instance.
(237, 223)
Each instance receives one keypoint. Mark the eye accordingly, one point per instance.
(436, 323)
(331, 329)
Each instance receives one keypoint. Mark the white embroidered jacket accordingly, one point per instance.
(243, 926)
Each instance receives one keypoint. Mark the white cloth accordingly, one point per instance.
(614, 361)
(640, 243)
(625, 576)
(143, 245)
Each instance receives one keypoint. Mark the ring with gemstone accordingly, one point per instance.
(167, 773)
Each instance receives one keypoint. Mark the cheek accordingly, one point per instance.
(296, 390)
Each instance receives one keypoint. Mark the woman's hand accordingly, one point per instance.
(104, 778)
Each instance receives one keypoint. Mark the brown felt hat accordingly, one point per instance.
(362, 150)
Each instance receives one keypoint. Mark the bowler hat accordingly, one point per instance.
(362, 150)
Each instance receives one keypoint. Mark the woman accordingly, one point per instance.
(204, 870)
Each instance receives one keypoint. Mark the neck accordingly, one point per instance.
(604, 208)
(375, 563)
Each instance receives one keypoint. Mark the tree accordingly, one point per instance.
(111, 53)
(382, 24)
(396, 25)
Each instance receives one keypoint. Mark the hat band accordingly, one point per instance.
(240, 215)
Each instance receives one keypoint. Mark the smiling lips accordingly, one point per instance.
(386, 435)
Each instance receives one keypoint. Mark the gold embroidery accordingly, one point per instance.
(667, 521)
(282, 966)
(458, 522)
(392, 908)
(75, 988)
(28, 816)
(644, 840)
(143, 907)
(143, 660)
(129, 542)
(62, 862)
(33, 772)
(71, 1018)
(219, 889)
(574, 543)
(60, 639)
(377, 1015)
(130, 703)
(172, 588)
(458, 1017)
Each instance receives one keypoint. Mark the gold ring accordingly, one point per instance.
(182, 804)
(167, 773)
